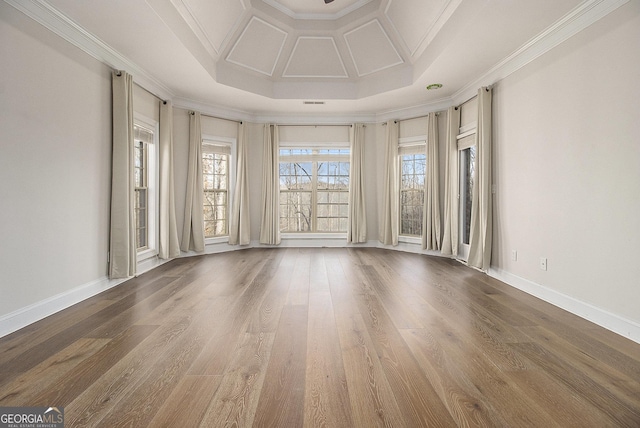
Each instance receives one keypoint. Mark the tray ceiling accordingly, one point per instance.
(361, 56)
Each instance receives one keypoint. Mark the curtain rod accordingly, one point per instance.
(410, 118)
(417, 117)
(150, 93)
(216, 117)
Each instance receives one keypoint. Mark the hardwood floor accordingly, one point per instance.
(321, 337)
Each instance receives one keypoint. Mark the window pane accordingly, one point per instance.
(207, 164)
(208, 212)
(141, 237)
(209, 228)
(295, 211)
(141, 218)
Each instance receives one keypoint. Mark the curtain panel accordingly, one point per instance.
(388, 232)
(450, 235)
(481, 209)
(122, 241)
(168, 246)
(193, 228)
(357, 222)
(239, 229)
(431, 211)
(270, 225)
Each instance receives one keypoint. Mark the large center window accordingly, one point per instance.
(314, 189)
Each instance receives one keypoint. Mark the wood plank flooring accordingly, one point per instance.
(321, 338)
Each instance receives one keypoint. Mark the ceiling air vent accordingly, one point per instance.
(313, 102)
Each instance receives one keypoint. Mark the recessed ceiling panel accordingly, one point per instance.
(371, 49)
(315, 57)
(258, 47)
(316, 9)
(414, 19)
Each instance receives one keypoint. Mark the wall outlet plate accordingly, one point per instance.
(543, 263)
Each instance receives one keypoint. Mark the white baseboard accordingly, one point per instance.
(409, 247)
(35, 312)
(615, 323)
(148, 264)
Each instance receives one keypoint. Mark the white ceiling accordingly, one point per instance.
(363, 58)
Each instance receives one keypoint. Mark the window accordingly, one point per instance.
(467, 160)
(466, 171)
(216, 184)
(142, 141)
(314, 189)
(413, 163)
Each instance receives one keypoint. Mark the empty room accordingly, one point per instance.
(332, 213)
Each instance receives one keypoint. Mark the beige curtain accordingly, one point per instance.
(270, 226)
(481, 208)
(357, 223)
(450, 236)
(168, 246)
(239, 229)
(122, 241)
(431, 211)
(388, 233)
(193, 230)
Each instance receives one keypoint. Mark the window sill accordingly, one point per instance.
(146, 254)
(217, 240)
(417, 240)
(328, 235)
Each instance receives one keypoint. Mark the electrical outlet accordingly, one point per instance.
(543, 263)
(514, 255)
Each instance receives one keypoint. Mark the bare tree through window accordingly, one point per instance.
(412, 170)
(215, 175)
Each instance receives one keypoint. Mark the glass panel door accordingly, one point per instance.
(467, 159)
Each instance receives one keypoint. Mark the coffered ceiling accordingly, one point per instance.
(362, 58)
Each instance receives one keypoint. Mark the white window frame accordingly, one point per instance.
(408, 144)
(153, 188)
(232, 144)
(345, 145)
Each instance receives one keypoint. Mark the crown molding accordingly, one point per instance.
(575, 21)
(46, 15)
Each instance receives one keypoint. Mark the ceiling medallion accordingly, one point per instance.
(434, 86)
